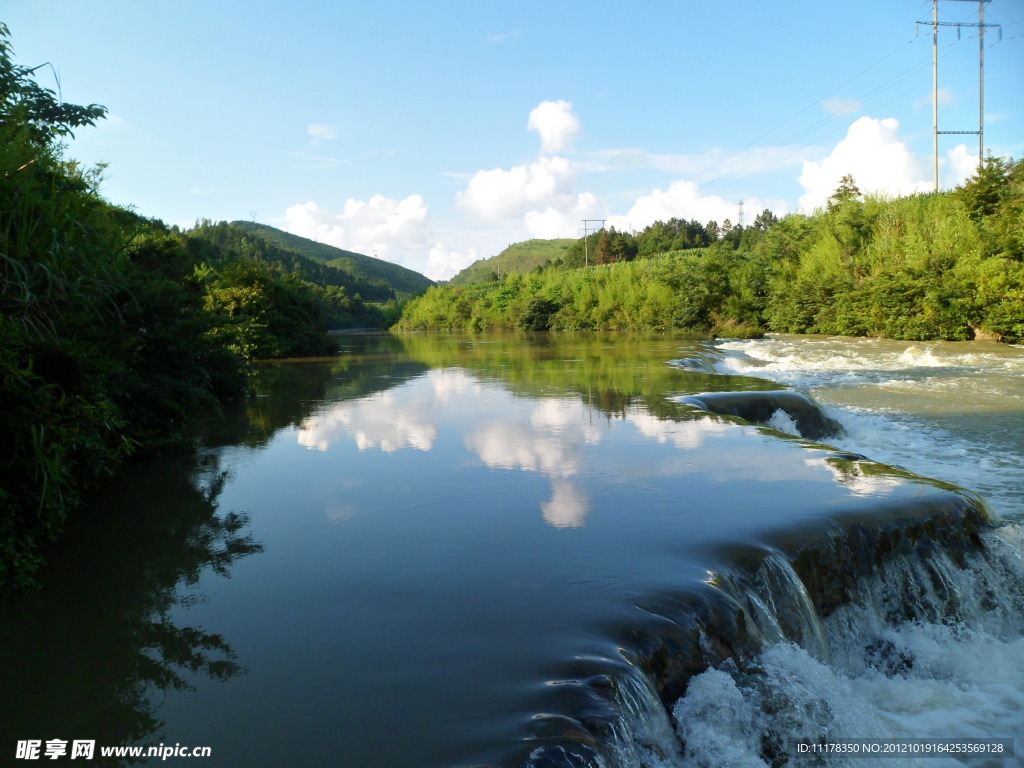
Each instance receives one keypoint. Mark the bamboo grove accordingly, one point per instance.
(947, 265)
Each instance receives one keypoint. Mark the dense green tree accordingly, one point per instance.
(947, 266)
(28, 107)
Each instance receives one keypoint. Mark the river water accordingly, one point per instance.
(543, 551)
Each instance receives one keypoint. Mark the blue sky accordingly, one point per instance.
(433, 134)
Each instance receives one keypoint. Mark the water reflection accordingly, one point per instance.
(452, 524)
(568, 506)
(378, 421)
(552, 432)
(90, 655)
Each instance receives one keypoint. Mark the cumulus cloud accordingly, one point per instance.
(543, 192)
(499, 193)
(381, 226)
(684, 200)
(552, 222)
(452, 384)
(509, 445)
(880, 162)
(444, 263)
(556, 123)
(961, 164)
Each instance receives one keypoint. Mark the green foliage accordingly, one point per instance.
(116, 333)
(684, 290)
(374, 279)
(260, 315)
(32, 109)
(940, 266)
(519, 257)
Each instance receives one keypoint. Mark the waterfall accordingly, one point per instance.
(911, 627)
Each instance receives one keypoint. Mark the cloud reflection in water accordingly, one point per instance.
(556, 438)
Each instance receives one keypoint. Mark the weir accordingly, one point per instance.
(807, 416)
(566, 569)
(699, 674)
(708, 677)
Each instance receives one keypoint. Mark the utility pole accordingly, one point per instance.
(981, 25)
(588, 231)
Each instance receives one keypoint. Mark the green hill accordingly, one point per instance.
(372, 270)
(520, 257)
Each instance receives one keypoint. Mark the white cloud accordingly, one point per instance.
(380, 226)
(684, 200)
(509, 445)
(562, 222)
(444, 263)
(879, 161)
(323, 131)
(552, 222)
(542, 193)
(556, 123)
(840, 105)
(561, 416)
(503, 37)
(961, 164)
(500, 193)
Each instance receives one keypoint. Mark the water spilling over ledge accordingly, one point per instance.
(801, 411)
(832, 597)
(515, 553)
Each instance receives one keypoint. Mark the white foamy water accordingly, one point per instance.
(949, 410)
(902, 661)
(960, 676)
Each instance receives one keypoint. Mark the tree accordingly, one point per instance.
(845, 192)
(984, 192)
(765, 221)
(23, 102)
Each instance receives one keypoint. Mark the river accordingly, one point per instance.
(553, 551)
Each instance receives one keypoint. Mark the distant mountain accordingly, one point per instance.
(520, 257)
(404, 282)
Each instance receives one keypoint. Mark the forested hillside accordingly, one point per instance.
(387, 279)
(518, 257)
(948, 265)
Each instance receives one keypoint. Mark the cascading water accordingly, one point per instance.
(926, 644)
(950, 410)
(930, 646)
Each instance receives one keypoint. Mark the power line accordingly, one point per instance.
(867, 99)
(587, 231)
(805, 109)
(981, 26)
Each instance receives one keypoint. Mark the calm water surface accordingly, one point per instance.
(412, 554)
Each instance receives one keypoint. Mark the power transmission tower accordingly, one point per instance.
(981, 25)
(588, 231)
(740, 213)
